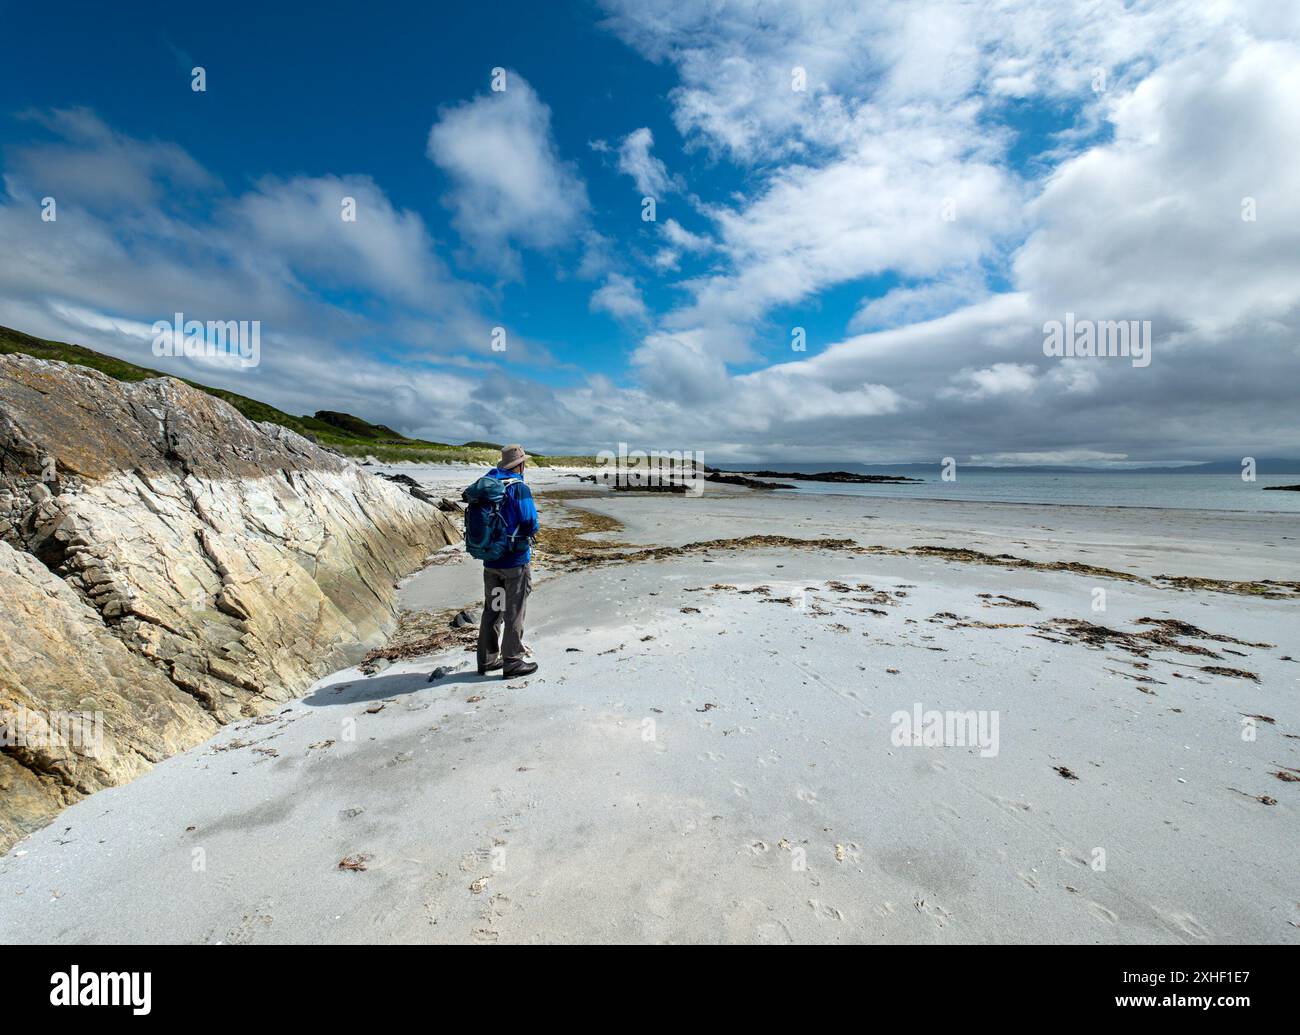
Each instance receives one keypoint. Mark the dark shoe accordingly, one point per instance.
(526, 669)
(489, 668)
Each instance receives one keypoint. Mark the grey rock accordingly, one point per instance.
(194, 565)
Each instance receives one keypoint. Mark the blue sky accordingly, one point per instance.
(354, 88)
(821, 208)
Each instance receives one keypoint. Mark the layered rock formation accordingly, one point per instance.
(170, 565)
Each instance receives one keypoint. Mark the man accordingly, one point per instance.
(508, 580)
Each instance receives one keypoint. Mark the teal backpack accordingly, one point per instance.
(487, 538)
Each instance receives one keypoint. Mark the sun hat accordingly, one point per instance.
(512, 457)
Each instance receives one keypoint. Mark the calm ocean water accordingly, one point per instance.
(1085, 489)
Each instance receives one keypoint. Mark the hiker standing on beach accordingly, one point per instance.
(500, 520)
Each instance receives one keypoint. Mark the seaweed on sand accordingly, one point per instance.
(1235, 673)
(568, 542)
(420, 633)
(1273, 589)
(1141, 644)
(569, 539)
(1174, 627)
(1162, 637)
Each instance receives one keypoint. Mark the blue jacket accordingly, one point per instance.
(521, 518)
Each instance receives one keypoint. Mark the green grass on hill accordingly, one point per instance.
(342, 431)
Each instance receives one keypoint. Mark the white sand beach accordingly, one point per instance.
(709, 751)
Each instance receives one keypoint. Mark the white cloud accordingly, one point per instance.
(509, 186)
(991, 382)
(900, 120)
(1125, 230)
(91, 165)
(680, 368)
(879, 209)
(1056, 457)
(621, 298)
(649, 173)
(1134, 212)
(301, 221)
(683, 239)
(125, 253)
(666, 259)
(1075, 377)
(680, 240)
(735, 57)
(905, 107)
(904, 305)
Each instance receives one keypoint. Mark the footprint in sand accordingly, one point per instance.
(497, 907)
(772, 932)
(933, 910)
(1072, 857)
(1184, 924)
(475, 859)
(250, 925)
(806, 796)
(1102, 913)
(739, 789)
(1016, 807)
(824, 910)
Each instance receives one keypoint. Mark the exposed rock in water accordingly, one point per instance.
(168, 566)
(413, 487)
(749, 483)
(638, 486)
(1282, 488)
(829, 476)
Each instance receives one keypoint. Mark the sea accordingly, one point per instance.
(1182, 491)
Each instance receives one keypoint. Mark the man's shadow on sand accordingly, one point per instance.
(376, 688)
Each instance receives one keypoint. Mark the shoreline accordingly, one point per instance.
(814, 489)
(1038, 503)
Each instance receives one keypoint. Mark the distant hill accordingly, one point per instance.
(344, 432)
(359, 428)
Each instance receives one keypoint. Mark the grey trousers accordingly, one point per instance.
(505, 602)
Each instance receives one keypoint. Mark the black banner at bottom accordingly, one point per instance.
(332, 984)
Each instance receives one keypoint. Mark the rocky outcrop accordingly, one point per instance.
(411, 486)
(833, 476)
(749, 483)
(169, 565)
(58, 658)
